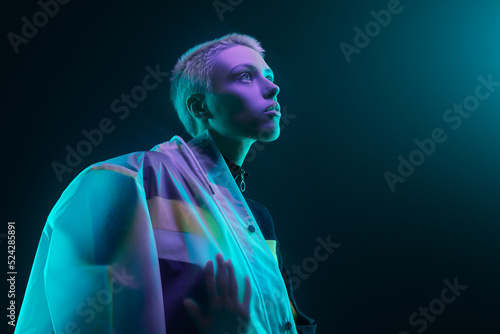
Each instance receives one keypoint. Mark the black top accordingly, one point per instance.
(305, 325)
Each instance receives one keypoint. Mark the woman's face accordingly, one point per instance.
(242, 93)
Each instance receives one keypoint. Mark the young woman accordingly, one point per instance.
(131, 244)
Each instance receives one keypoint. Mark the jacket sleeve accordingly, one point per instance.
(97, 269)
(304, 324)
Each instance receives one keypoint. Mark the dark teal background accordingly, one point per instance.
(325, 174)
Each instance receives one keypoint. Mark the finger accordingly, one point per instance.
(221, 276)
(210, 281)
(195, 313)
(232, 283)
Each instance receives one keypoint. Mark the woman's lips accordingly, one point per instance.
(273, 113)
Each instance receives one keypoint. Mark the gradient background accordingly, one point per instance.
(324, 175)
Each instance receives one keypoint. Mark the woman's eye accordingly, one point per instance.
(246, 76)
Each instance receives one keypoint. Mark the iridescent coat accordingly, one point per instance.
(129, 237)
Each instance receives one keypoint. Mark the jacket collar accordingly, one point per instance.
(212, 161)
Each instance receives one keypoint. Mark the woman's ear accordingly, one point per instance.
(197, 106)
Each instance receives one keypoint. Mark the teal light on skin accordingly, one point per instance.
(235, 112)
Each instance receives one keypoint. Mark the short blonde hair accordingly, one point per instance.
(193, 73)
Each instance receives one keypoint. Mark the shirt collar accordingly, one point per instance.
(235, 169)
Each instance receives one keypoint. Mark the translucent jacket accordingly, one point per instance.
(97, 267)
